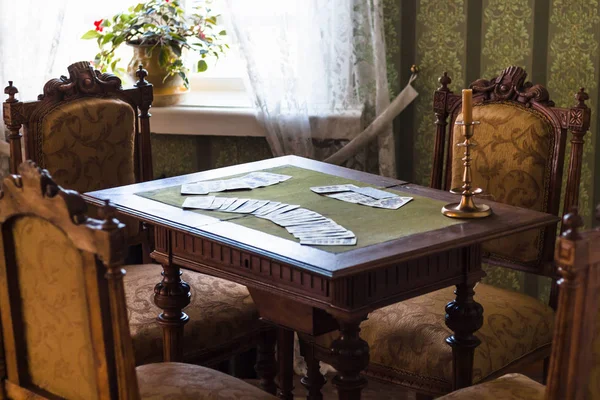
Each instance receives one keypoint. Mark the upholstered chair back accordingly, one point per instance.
(518, 160)
(64, 320)
(84, 129)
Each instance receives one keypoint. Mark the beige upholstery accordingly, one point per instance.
(54, 309)
(221, 313)
(408, 338)
(507, 387)
(512, 163)
(177, 381)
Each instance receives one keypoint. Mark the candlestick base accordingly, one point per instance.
(454, 210)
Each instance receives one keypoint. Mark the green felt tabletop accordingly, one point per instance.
(370, 225)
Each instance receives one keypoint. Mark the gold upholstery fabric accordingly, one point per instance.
(511, 162)
(507, 387)
(221, 313)
(408, 338)
(54, 309)
(88, 144)
(167, 381)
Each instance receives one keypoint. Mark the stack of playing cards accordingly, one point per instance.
(310, 227)
(366, 196)
(249, 181)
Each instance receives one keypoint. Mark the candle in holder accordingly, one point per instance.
(467, 106)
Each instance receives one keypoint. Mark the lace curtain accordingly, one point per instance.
(316, 70)
(39, 40)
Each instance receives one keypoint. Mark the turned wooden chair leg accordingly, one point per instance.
(266, 367)
(313, 381)
(172, 295)
(285, 358)
(351, 356)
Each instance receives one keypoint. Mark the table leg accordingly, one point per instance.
(314, 380)
(464, 316)
(266, 367)
(285, 358)
(172, 295)
(351, 356)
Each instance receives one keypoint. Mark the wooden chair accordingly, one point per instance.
(92, 134)
(575, 360)
(519, 160)
(64, 318)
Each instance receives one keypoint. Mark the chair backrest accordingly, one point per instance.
(575, 360)
(519, 157)
(87, 130)
(64, 320)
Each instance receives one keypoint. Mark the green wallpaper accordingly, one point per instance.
(440, 47)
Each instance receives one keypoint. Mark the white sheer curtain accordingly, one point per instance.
(316, 69)
(39, 39)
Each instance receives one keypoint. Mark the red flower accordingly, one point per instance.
(97, 25)
(167, 1)
(201, 34)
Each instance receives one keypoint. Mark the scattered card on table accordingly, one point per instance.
(334, 188)
(228, 202)
(350, 197)
(203, 187)
(393, 203)
(330, 242)
(235, 205)
(374, 193)
(203, 202)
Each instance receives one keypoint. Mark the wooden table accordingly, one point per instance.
(315, 290)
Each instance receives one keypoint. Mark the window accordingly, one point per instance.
(221, 85)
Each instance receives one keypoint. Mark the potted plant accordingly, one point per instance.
(159, 31)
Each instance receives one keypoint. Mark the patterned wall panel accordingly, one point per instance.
(507, 34)
(573, 63)
(440, 47)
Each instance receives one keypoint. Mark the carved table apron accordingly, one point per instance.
(313, 291)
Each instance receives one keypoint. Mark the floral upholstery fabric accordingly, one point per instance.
(511, 162)
(409, 337)
(88, 144)
(507, 387)
(54, 307)
(167, 381)
(221, 312)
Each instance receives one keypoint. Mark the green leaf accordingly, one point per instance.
(107, 38)
(91, 34)
(223, 32)
(176, 49)
(163, 57)
(202, 66)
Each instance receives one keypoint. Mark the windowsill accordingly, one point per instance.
(230, 113)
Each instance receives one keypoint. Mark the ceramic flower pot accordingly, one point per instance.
(167, 92)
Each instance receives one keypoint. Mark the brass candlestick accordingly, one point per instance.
(466, 208)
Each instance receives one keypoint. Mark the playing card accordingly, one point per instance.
(269, 176)
(328, 225)
(236, 184)
(217, 203)
(272, 206)
(298, 213)
(203, 187)
(374, 193)
(235, 205)
(294, 222)
(228, 201)
(279, 211)
(334, 188)
(350, 197)
(203, 202)
(251, 206)
(393, 203)
(325, 235)
(330, 242)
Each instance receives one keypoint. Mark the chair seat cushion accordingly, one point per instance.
(221, 313)
(408, 338)
(166, 381)
(507, 387)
